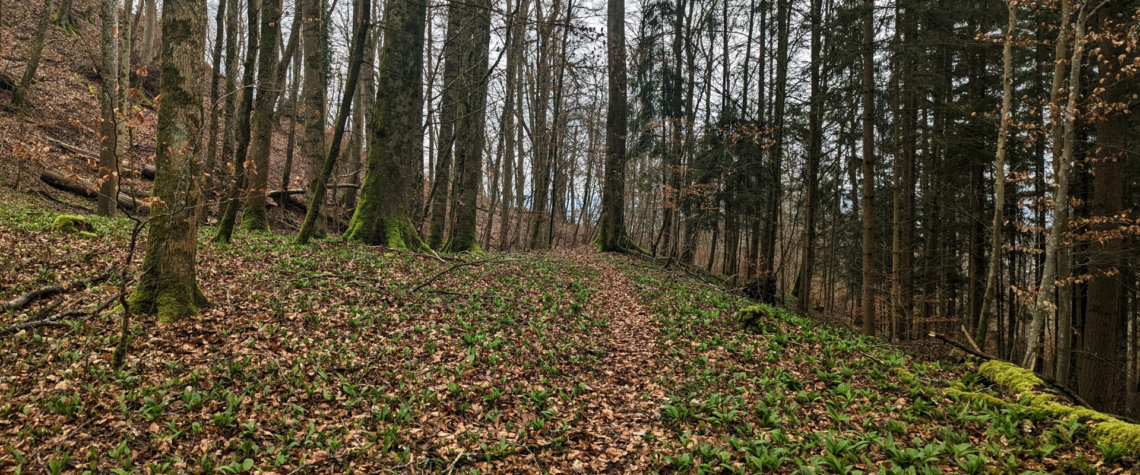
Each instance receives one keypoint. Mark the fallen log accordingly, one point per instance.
(59, 179)
(148, 172)
(50, 290)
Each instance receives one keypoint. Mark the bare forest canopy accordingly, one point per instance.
(933, 174)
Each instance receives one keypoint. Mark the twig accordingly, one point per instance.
(961, 346)
(48, 291)
(452, 466)
(456, 266)
(53, 321)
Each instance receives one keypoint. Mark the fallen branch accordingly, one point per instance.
(970, 340)
(54, 321)
(50, 290)
(452, 268)
(73, 149)
(81, 187)
(962, 347)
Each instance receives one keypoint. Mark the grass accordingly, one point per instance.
(321, 358)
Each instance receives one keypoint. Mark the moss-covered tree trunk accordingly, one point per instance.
(440, 189)
(20, 97)
(168, 285)
(470, 133)
(357, 56)
(383, 214)
(109, 122)
(313, 91)
(241, 131)
(255, 218)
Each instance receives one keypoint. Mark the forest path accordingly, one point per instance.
(612, 432)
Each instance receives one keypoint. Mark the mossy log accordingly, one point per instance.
(758, 319)
(1031, 392)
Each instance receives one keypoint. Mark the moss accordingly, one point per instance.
(71, 224)
(167, 302)
(1013, 378)
(87, 235)
(758, 319)
(1116, 432)
(1105, 429)
(393, 232)
(255, 219)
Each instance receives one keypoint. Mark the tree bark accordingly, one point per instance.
(355, 60)
(215, 78)
(255, 217)
(107, 180)
(383, 214)
(441, 187)
(611, 228)
(470, 129)
(168, 285)
(869, 323)
(313, 91)
(999, 182)
(815, 149)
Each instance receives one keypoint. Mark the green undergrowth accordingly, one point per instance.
(324, 356)
(758, 389)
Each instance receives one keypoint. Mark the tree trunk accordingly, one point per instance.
(470, 128)
(20, 96)
(255, 218)
(387, 202)
(869, 323)
(611, 230)
(108, 177)
(1099, 372)
(815, 149)
(149, 34)
(440, 190)
(316, 81)
(241, 129)
(225, 169)
(168, 284)
(357, 57)
(516, 29)
(1055, 250)
(215, 78)
(999, 183)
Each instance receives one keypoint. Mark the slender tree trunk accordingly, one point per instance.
(168, 285)
(516, 30)
(387, 202)
(215, 78)
(456, 13)
(226, 168)
(109, 121)
(777, 151)
(815, 149)
(291, 142)
(241, 129)
(313, 92)
(20, 96)
(1055, 250)
(999, 182)
(150, 16)
(869, 323)
(255, 218)
(357, 57)
(124, 76)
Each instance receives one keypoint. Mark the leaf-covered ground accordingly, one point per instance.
(338, 358)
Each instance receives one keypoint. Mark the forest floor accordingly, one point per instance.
(344, 358)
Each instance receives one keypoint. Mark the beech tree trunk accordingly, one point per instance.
(109, 121)
(241, 130)
(611, 227)
(168, 284)
(470, 128)
(387, 201)
(215, 78)
(313, 142)
(255, 218)
(869, 322)
(441, 187)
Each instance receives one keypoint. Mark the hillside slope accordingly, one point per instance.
(338, 357)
